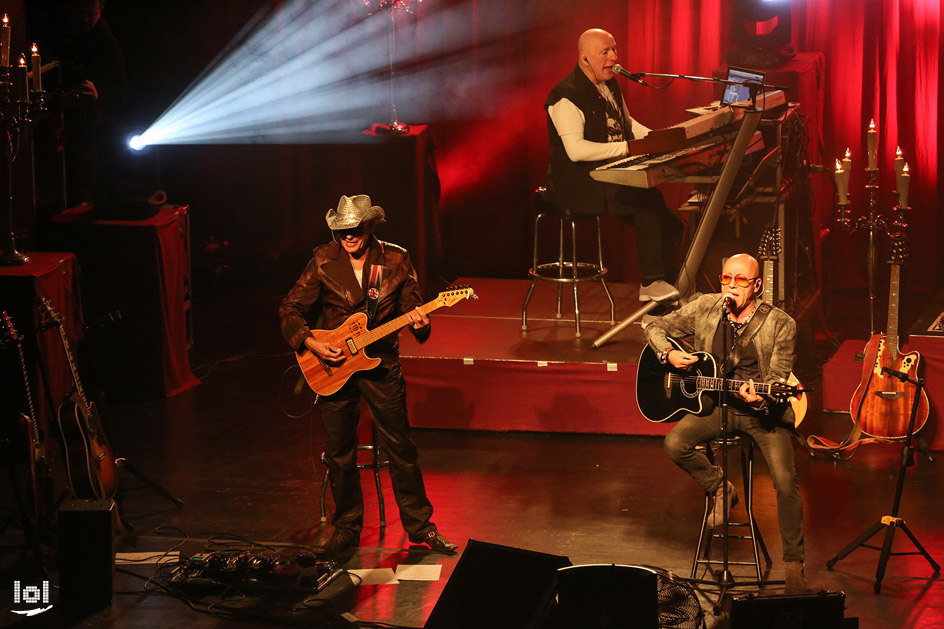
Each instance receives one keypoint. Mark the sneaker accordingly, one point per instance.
(718, 509)
(660, 290)
(795, 578)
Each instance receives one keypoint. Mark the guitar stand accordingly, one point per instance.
(31, 530)
(122, 463)
(892, 521)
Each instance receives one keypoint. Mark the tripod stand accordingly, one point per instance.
(892, 521)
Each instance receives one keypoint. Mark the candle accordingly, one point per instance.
(841, 184)
(903, 187)
(899, 162)
(5, 41)
(37, 70)
(872, 137)
(22, 80)
(847, 164)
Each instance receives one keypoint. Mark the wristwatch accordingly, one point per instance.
(664, 355)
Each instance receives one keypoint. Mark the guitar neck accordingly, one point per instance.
(768, 292)
(372, 336)
(72, 367)
(708, 383)
(891, 344)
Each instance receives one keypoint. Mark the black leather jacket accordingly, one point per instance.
(327, 293)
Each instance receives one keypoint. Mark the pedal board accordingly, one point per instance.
(255, 572)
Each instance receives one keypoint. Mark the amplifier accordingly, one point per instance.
(815, 610)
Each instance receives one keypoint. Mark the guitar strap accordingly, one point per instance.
(748, 333)
(373, 290)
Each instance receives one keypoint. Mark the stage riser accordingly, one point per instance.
(508, 395)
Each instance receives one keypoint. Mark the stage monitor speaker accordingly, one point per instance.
(86, 556)
(819, 610)
(498, 587)
(608, 596)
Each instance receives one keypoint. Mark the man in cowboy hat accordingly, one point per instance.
(356, 272)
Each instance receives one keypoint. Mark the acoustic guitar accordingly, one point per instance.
(352, 337)
(90, 463)
(41, 485)
(665, 394)
(881, 404)
(768, 252)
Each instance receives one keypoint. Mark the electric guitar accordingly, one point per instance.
(882, 403)
(352, 337)
(89, 460)
(41, 485)
(665, 393)
(768, 252)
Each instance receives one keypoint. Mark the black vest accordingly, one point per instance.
(568, 182)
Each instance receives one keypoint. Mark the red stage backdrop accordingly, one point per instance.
(883, 61)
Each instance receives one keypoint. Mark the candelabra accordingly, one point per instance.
(18, 105)
(873, 221)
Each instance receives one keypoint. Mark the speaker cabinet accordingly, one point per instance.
(86, 556)
(608, 596)
(820, 610)
(498, 587)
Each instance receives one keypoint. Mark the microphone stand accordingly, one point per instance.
(725, 579)
(892, 521)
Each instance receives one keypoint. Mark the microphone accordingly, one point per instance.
(728, 300)
(896, 374)
(620, 70)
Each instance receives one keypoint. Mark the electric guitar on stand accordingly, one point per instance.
(768, 252)
(89, 460)
(353, 337)
(40, 477)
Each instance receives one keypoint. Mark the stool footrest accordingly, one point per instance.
(550, 272)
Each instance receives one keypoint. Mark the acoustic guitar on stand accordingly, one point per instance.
(352, 337)
(89, 460)
(881, 404)
(768, 252)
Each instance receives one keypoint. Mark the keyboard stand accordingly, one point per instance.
(706, 227)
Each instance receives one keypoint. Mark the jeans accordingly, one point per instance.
(777, 446)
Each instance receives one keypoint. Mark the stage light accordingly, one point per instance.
(760, 33)
(310, 72)
(137, 142)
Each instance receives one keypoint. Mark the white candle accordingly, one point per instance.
(841, 184)
(903, 181)
(5, 41)
(899, 162)
(872, 137)
(37, 70)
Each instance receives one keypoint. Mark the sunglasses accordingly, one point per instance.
(740, 280)
(354, 231)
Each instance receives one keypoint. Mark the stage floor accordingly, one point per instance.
(248, 473)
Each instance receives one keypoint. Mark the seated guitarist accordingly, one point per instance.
(766, 357)
(359, 273)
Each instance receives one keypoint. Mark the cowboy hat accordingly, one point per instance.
(352, 211)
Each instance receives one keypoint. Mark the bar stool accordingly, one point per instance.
(376, 463)
(703, 551)
(576, 271)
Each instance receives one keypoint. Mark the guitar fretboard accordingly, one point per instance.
(389, 327)
(708, 383)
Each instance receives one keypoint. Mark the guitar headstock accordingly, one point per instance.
(455, 294)
(50, 310)
(899, 251)
(769, 248)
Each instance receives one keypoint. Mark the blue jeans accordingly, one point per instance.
(776, 444)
